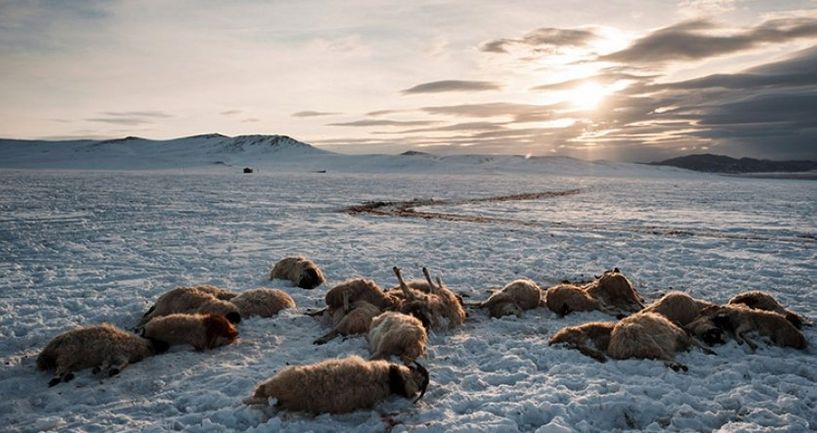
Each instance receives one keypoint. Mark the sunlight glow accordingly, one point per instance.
(587, 96)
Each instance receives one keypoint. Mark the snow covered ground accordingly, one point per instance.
(84, 247)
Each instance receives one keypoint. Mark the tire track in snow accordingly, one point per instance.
(408, 209)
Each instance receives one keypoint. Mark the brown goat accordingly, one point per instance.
(641, 335)
(351, 319)
(438, 309)
(262, 302)
(690, 314)
(340, 385)
(566, 298)
(615, 291)
(105, 348)
(740, 320)
(758, 300)
(516, 297)
(202, 331)
(399, 334)
(359, 289)
(191, 300)
(301, 271)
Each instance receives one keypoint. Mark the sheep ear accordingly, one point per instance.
(424, 385)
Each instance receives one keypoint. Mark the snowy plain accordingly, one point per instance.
(85, 247)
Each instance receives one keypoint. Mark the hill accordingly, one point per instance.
(725, 164)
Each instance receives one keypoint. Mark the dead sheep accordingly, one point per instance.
(739, 320)
(615, 291)
(105, 348)
(352, 318)
(397, 334)
(764, 301)
(359, 289)
(641, 335)
(218, 292)
(340, 385)
(439, 309)
(301, 271)
(516, 297)
(582, 337)
(566, 298)
(191, 300)
(612, 293)
(263, 302)
(690, 314)
(202, 331)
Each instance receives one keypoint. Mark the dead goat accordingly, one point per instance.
(398, 334)
(202, 331)
(689, 313)
(340, 385)
(566, 298)
(739, 320)
(262, 302)
(615, 291)
(105, 348)
(438, 309)
(352, 318)
(641, 335)
(612, 293)
(516, 297)
(758, 300)
(359, 289)
(191, 300)
(301, 271)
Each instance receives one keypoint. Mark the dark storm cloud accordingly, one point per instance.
(546, 36)
(451, 86)
(699, 39)
(313, 113)
(383, 122)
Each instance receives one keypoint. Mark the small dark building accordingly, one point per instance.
(247, 170)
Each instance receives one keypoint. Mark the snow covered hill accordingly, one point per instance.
(283, 153)
(141, 153)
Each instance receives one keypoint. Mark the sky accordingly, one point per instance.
(616, 80)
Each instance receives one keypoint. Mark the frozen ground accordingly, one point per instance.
(87, 247)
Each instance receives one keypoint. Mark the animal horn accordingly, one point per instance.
(428, 278)
(424, 385)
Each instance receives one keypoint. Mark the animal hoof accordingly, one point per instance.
(68, 377)
(54, 381)
(113, 372)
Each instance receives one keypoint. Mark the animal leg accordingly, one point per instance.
(403, 287)
(117, 365)
(593, 353)
(327, 338)
(314, 313)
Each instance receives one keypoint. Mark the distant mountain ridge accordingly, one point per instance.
(142, 153)
(711, 163)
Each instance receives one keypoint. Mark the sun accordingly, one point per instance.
(587, 96)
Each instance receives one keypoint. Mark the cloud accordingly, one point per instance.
(230, 112)
(519, 112)
(451, 86)
(700, 38)
(130, 117)
(384, 112)
(153, 114)
(120, 120)
(465, 126)
(546, 36)
(384, 122)
(250, 120)
(313, 113)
